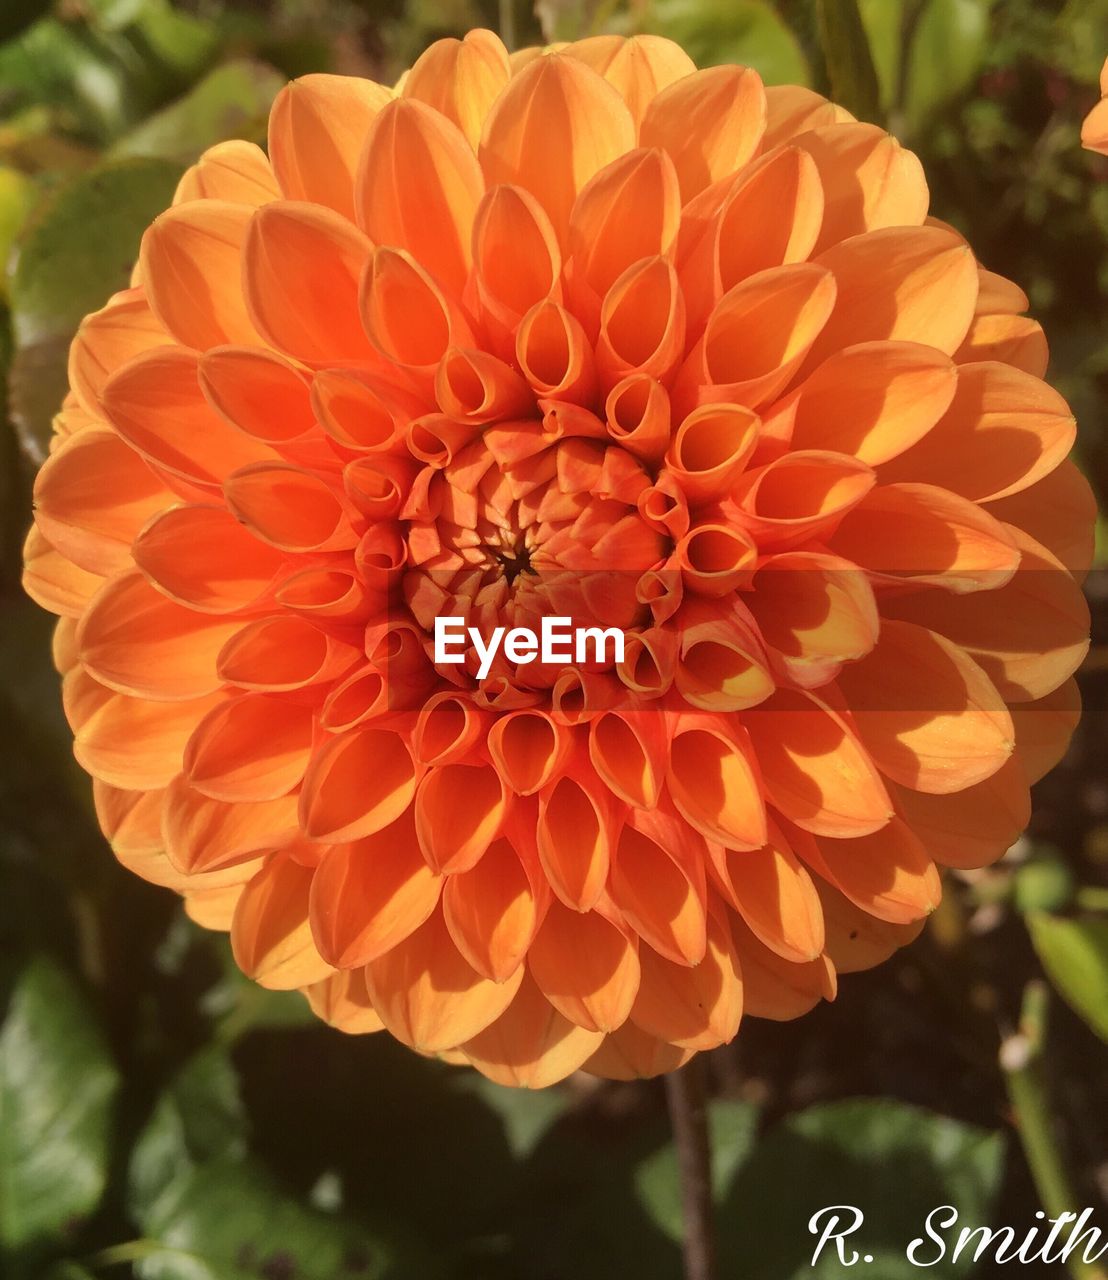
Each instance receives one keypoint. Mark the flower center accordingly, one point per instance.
(523, 524)
(513, 561)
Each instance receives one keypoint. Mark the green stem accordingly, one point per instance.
(118, 1254)
(1021, 1059)
(685, 1095)
(507, 14)
(1091, 898)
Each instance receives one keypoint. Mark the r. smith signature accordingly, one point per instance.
(1051, 1240)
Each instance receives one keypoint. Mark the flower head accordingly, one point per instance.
(1094, 129)
(586, 333)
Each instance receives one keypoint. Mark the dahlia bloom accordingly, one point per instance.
(592, 333)
(1094, 130)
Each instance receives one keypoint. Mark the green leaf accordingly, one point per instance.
(731, 1127)
(229, 1220)
(849, 61)
(18, 195)
(926, 55)
(91, 79)
(615, 1185)
(114, 15)
(231, 102)
(896, 1163)
(83, 246)
(945, 55)
(37, 383)
(209, 1211)
(67, 1270)
(240, 1005)
(57, 1089)
(526, 1115)
(1074, 954)
(562, 19)
(182, 43)
(743, 31)
(79, 251)
(199, 1117)
(1045, 883)
(19, 14)
(884, 21)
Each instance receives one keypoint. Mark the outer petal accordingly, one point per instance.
(429, 996)
(1004, 431)
(912, 284)
(779, 989)
(696, 1007)
(971, 828)
(92, 496)
(632, 1054)
(1094, 129)
(714, 781)
(792, 110)
(132, 742)
(302, 266)
(874, 400)
(418, 188)
(869, 181)
(343, 1001)
(460, 810)
(356, 784)
(156, 404)
(461, 79)
(317, 127)
(206, 837)
(249, 748)
(921, 535)
(1059, 512)
(639, 68)
(928, 715)
(190, 264)
(201, 556)
(815, 770)
(555, 125)
(1044, 729)
(775, 896)
(531, 1045)
(710, 123)
(235, 170)
(107, 339)
(658, 885)
(270, 935)
(857, 940)
(493, 910)
(135, 640)
(888, 874)
(586, 966)
(575, 835)
(367, 897)
(1029, 636)
(630, 210)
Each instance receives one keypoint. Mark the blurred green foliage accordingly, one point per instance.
(158, 1112)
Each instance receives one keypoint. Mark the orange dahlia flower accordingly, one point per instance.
(588, 334)
(1094, 130)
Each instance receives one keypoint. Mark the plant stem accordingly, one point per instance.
(507, 17)
(689, 1119)
(1092, 898)
(117, 1255)
(1021, 1059)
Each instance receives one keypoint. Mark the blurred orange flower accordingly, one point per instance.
(587, 333)
(1094, 130)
